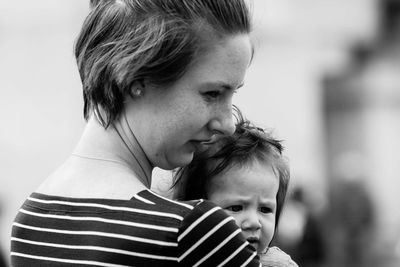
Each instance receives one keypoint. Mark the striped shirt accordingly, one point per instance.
(147, 230)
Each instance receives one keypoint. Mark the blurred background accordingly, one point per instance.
(325, 79)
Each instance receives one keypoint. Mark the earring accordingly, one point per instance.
(136, 92)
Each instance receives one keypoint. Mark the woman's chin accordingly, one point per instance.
(185, 160)
(176, 162)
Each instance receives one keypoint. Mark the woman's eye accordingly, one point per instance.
(234, 208)
(212, 94)
(266, 210)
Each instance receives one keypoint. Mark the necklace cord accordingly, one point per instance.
(140, 157)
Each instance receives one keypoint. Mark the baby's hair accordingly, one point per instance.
(247, 145)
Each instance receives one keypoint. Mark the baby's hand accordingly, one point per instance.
(274, 257)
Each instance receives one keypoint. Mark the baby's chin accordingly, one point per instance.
(257, 245)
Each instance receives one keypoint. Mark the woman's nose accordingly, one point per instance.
(223, 123)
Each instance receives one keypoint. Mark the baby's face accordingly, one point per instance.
(248, 194)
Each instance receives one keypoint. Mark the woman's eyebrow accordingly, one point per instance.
(224, 85)
(230, 87)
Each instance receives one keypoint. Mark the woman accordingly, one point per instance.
(158, 79)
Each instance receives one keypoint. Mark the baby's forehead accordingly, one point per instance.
(241, 174)
(242, 164)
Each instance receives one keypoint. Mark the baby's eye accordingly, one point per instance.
(266, 210)
(234, 208)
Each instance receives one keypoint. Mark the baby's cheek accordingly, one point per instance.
(268, 229)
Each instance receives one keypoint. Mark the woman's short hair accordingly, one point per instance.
(247, 145)
(123, 42)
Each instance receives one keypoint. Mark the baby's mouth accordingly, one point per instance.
(253, 241)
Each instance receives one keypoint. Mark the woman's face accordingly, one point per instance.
(172, 122)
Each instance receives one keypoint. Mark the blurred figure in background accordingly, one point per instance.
(300, 232)
(350, 224)
(362, 111)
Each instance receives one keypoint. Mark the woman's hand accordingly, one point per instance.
(274, 257)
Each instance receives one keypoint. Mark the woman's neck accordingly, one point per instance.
(116, 144)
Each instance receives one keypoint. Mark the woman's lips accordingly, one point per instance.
(196, 146)
(207, 142)
(200, 145)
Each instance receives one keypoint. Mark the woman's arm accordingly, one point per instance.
(209, 237)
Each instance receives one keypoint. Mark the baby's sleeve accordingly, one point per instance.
(209, 237)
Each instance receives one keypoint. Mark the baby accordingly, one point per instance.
(246, 175)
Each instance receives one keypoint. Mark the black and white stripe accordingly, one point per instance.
(148, 230)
